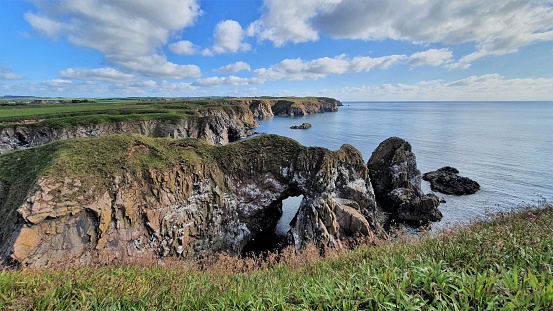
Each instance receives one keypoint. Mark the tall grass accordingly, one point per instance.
(505, 263)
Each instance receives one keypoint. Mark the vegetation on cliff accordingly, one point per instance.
(99, 199)
(105, 112)
(505, 262)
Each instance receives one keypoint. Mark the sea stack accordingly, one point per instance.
(397, 183)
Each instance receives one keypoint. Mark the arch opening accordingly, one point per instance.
(274, 237)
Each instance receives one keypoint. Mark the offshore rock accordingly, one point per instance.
(129, 197)
(303, 126)
(397, 183)
(446, 180)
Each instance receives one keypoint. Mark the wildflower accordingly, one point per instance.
(532, 216)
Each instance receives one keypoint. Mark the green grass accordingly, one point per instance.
(67, 115)
(100, 111)
(504, 263)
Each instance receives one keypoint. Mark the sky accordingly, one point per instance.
(351, 50)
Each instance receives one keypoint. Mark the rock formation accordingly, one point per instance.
(216, 126)
(446, 180)
(227, 120)
(397, 183)
(303, 126)
(126, 197)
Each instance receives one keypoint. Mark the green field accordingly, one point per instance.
(504, 263)
(70, 114)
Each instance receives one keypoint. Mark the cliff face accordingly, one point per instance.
(217, 126)
(230, 120)
(129, 196)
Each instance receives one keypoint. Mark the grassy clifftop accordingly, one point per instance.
(102, 112)
(501, 264)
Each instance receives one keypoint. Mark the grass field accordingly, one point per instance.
(503, 263)
(71, 114)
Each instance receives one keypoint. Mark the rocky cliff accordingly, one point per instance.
(397, 183)
(219, 123)
(217, 126)
(129, 196)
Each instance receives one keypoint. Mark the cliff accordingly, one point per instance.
(125, 197)
(217, 122)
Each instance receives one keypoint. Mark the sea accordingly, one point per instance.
(507, 147)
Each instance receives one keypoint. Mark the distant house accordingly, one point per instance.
(39, 101)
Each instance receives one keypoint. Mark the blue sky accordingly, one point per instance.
(351, 50)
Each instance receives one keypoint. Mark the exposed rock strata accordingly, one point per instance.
(234, 119)
(129, 196)
(446, 180)
(215, 126)
(397, 183)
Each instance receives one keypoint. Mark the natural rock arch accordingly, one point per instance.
(197, 200)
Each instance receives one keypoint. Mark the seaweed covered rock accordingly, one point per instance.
(446, 180)
(397, 183)
(129, 197)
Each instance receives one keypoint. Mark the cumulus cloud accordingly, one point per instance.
(184, 47)
(7, 74)
(495, 27)
(286, 21)
(228, 36)
(299, 69)
(100, 74)
(236, 67)
(122, 30)
(222, 81)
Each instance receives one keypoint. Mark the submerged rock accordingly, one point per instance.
(397, 183)
(446, 180)
(303, 126)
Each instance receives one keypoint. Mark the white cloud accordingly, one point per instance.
(484, 87)
(7, 74)
(184, 47)
(496, 27)
(236, 67)
(221, 81)
(432, 57)
(289, 21)
(129, 33)
(100, 74)
(228, 36)
(299, 69)
(157, 66)
(57, 83)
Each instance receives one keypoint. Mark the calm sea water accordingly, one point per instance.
(507, 147)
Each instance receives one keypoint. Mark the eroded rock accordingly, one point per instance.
(201, 199)
(397, 182)
(446, 180)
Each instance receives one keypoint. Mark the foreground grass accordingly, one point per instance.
(503, 263)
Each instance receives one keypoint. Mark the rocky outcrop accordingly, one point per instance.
(126, 197)
(216, 126)
(397, 183)
(305, 106)
(261, 109)
(226, 120)
(446, 180)
(303, 126)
